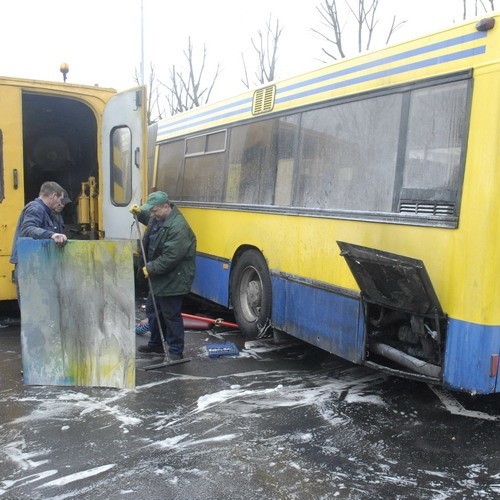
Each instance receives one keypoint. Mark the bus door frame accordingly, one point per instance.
(126, 109)
(11, 125)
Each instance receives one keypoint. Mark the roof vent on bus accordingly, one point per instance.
(426, 208)
(263, 100)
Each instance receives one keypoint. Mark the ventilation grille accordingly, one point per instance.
(263, 100)
(426, 208)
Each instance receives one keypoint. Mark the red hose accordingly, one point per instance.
(216, 322)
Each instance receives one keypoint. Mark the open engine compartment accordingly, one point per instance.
(405, 324)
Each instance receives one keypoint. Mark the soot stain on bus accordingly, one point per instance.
(59, 144)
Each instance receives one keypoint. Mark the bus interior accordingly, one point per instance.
(60, 144)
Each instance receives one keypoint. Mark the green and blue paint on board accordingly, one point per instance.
(77, 313)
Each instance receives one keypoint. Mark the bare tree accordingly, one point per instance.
(476, 5)
(155, 111)
(336, 14)
(331, 17)
(186, 87)
(394, 26)
(266, 49)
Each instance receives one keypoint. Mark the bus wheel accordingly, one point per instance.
(251, 293)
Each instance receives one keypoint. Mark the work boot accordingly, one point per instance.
(151, 348)
(176, 356)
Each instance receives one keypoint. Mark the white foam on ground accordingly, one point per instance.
(32, 478)
(78, 476)
(179, 443)
(455, 408)
(14, 451)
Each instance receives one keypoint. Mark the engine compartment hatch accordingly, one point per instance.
(391, 280)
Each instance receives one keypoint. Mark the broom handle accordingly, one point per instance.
(150, 284)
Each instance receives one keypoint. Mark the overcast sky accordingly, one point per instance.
(101, 39)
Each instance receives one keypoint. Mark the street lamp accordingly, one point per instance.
(64, 69)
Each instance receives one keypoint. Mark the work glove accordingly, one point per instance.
(145, 271)
(135, 209)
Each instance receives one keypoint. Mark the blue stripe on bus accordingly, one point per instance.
(335, 323)
(248, 100)
(323, 318)
(386, 60)
(211, 280)
(195, 121)
(468, 357)
(388, 72)
(207, 120)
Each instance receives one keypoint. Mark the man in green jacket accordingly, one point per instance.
(170, 249)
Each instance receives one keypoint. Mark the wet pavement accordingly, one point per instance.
(278, 421)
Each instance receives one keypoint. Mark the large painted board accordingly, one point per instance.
(77, 313)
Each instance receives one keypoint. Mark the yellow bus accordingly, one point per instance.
(357, 207)
(88, 139)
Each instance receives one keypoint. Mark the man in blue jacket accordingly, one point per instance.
(37, 220)
(170, 248)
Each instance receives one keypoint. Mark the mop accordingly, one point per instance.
(167, 361)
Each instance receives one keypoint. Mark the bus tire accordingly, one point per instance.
(251, 293)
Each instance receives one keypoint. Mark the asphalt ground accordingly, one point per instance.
(281, 420)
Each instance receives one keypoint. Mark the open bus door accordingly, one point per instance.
(124, 154)
(11, 183)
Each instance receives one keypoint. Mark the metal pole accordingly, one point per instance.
(142, 42)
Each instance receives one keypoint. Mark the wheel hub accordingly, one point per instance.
(254, 294)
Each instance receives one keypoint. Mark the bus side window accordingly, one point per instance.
(343, 148)
(170, 168)
(204, 167)
(252, 163)
(287, 141)
(437, 129)
(121, 161)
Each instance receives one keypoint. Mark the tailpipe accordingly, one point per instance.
(403, 359)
